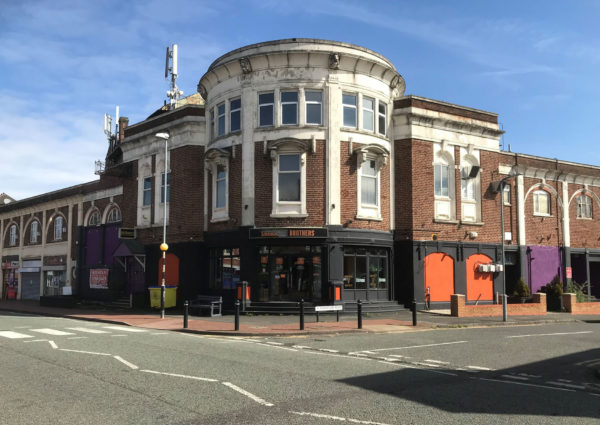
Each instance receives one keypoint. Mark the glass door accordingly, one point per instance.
(366, 274)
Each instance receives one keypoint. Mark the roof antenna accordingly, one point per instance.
(112, 137)
(174, 93)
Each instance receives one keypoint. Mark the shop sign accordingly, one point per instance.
(275, 233)
(32, 263)
(55, 260)
(126, 233)
(99, 278)
(10, 265)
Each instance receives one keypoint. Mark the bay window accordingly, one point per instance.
(314, 107)
(266, 109)
(349, 110)
(289, 107)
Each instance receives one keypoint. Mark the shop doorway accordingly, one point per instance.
(30, 289)
(288, 273)
(439, 277)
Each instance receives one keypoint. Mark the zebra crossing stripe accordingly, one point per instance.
(13, 335)
(89, 331)
(49, 331)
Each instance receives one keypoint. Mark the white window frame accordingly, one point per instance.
(235, 111)
(261, 105)
(313, 102)
(58, 227)
(439, 175)
(470, 193)
(288, 103)
(353, 107)
(215, 158)
(536, 203)
(369, 211)
(366, 112)
(584, 209)
(288, 208)
(444, 204)
(95, 212)
(34, 231)
(221, 119)
(12, 238)
(381, 129)
(110, 217)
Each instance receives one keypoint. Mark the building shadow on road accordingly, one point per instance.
(537, 389)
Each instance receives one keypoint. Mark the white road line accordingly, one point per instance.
(300, 346)
(13, 335)
(478, 368)
(89, 330)
(424, 369)
(53, 344)
(355, 357)
(247, 394)
(520, 378)
(526, 385)
(328, 350)
(578, 387)
(176, 375)
(426, 364)
(389, 359)
(564, 380)
(125, 362)
(415, 346)
(274, 343)
(119, 335)
(22, 327)
(558, 333)
(274, 346)
(84, 352)
(336, 418)
(160, 333)
(77, 337)
(36, 340)
(435, 361)
(399, 356)
(49, 331)
(529, 376)
(125, 329)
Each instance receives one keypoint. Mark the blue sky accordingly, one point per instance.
(63, 64)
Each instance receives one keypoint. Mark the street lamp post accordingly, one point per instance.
(163, 246)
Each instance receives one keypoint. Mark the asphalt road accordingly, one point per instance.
(62, 371)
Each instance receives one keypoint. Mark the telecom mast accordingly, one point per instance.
(174, 93)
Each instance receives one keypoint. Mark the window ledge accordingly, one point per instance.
(445, 221)
(219, 219)
(366, 217)
(585, 218)
(542, 215)
(472, 223)
(288, 215)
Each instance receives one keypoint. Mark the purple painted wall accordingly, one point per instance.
(92, 246)
(111, 242)
(543, 263)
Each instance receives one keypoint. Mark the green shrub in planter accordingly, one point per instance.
(521, 289)
(577, 289)
(553, 291)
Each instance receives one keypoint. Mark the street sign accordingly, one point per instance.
(329, 307)
(569, 272)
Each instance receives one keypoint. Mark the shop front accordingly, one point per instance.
(10, 277)
(30, 279)
(55, 276)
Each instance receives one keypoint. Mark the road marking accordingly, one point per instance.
(390, 359)
(36, 340)
(414, 346)
(558, 333)
(77, 337)
(247, 394)
(347, 356)
(89, 330)
(274, 343)
(125, 329)
(529, 376)
(125, 362)
(53, 344)
(526, 385)
(578, 387)
(274, 346)
(413, 366)
(520, 378)
(119, 335)
(435, 361)
(426, 364)
(336, 418)
(49, 331)
(328, 350)
(160, 333)
(22, 327)
(176, 375)
(13, 335)
(301, 346)
(85, 352)
(400, 356)
(478, 368)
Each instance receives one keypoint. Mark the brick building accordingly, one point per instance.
(301, 167)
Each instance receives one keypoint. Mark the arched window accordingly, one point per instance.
(94, 219)
(114, 215)
(584, 206)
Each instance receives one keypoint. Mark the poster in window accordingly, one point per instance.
(99, 278)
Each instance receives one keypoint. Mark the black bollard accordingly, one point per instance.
(414, 312)
(186, 310)
(301, 314)
(359, 312)
(237, 315)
